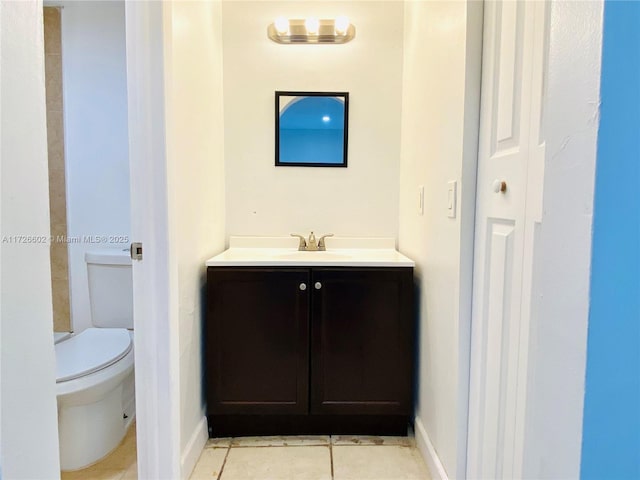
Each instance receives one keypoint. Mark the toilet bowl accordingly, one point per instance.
(95, 368)
(95, 392)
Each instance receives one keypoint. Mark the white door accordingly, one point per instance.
(508, 208)
(156, 339)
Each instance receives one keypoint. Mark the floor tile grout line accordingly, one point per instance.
(279, 446)
(320, 445)
(371, 445)
(224, 462)
(331, 456)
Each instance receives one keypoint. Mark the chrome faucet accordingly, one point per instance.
(312, 245)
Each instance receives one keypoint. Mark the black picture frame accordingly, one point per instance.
(342, 95)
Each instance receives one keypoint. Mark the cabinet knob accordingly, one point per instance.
(303, 286)
(318, 285)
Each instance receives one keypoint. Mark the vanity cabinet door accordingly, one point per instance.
(256, 340)
(362, 341)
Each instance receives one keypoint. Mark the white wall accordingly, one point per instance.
(96, 136)
(28, 427)
(441, 89)
(359, 200)
(195, 167)
(558, 342)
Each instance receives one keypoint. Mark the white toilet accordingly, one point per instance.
(95, 374)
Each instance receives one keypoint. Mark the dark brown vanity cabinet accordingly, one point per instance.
(256, 340)
(308, 350)
(361, 341)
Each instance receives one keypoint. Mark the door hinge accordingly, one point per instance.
(136, 251)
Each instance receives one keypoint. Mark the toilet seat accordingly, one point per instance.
(90, 351)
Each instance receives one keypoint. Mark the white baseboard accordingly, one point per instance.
(194, 448)
(423, 442)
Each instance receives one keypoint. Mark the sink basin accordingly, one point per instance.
(274, 252)
(312, 256)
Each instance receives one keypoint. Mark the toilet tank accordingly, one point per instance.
(110, 288)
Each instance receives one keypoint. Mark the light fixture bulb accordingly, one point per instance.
(282, 25)
(312, 24)
(342, 25)
(326, 118)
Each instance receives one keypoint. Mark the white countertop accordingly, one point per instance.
(283, 252)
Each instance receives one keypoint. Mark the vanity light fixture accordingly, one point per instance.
(342, 25)
(312, 24)
(282, 26)
(311, 30)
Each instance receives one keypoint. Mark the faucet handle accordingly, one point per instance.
(321, 245)
(302, 245)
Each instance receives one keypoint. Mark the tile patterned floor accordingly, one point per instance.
(281, 458)
(311, 458)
